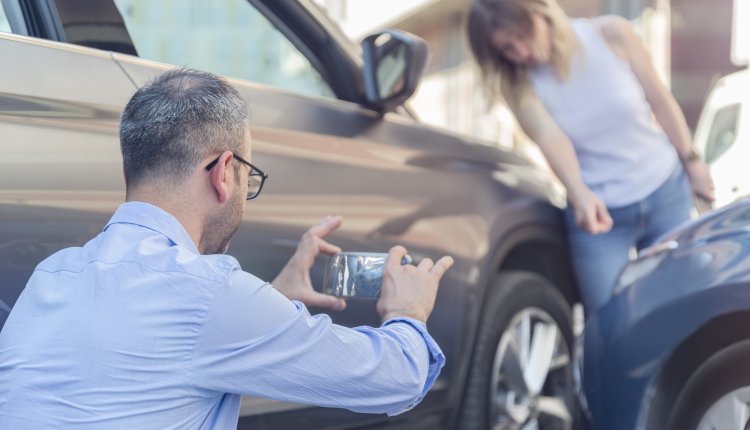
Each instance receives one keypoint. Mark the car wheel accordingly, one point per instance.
(521, 370)
(717, 396)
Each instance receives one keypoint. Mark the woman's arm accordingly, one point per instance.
(590, 211)
(623, 40)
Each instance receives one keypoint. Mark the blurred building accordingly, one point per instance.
(701, 43)
(689, 41)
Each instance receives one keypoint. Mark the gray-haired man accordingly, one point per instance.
(149, 325)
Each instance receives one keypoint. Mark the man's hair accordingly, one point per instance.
(174, 121)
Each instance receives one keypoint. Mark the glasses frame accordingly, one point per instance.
(254, 171)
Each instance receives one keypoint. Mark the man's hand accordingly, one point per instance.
(294, 279)
(410, 291)
(590, 212)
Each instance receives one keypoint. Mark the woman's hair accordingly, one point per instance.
(501, 77)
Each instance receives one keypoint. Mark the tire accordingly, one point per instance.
(518, 303)
(721, 382)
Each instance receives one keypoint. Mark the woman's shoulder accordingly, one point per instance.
(614, 28)
(618, 33)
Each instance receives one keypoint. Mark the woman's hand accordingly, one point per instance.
(294, 280)
(700, 180)
(590, 212)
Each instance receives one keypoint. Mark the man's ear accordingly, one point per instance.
(219, 177)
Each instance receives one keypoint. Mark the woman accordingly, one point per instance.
(586, 92)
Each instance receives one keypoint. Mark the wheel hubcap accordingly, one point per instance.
(731, 412)
(532, 386)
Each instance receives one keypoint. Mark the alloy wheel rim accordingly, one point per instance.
(531, 388)
(730, 412)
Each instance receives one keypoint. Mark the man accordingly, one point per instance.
(149, 325)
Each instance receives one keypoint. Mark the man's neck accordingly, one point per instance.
(186, 213)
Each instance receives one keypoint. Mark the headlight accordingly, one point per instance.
(648, 260)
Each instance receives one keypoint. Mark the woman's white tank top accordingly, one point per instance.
(623, 154)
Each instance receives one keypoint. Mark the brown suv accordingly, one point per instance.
(330, 126)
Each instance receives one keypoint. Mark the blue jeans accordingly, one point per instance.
(598, 259)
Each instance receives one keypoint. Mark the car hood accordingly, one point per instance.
(730, 220)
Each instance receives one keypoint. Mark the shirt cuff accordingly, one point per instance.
(436, 356)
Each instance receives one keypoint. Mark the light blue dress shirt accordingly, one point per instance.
(136, 329)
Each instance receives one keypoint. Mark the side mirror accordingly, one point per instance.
(394, 62)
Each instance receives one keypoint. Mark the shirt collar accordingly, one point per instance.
(156, 219)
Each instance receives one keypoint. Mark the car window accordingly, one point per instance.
(4, 24)
(723, 132)
(229, 38)
(94, 23)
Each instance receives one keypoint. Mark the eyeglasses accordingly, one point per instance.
(255, 180)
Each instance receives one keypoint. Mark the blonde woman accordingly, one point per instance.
(586, 92)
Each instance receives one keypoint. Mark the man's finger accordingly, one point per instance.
(426, 264)
(441, 266)
(325, 301)
(326, 225)
(328, 248)
(394, 257)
